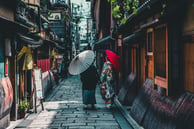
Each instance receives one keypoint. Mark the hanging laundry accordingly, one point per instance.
(28, 60)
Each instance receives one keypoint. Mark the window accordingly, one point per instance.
(149, 42)
(161, 57)
(160, 52)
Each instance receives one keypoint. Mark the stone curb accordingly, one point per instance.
(126, 115)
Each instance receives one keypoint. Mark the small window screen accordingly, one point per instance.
(160, 52)
(149, 42)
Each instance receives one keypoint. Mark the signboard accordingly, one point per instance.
(38, 83)
(89, 25)
(54, 16)
(59, 56)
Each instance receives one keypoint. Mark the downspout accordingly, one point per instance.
(39, 18)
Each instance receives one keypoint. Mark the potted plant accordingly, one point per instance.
(22, 107)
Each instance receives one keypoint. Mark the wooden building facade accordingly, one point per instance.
(153, 46)
(24, 41)
(150, 43)
(157, 45)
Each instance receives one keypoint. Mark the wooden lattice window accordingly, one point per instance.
(161, 57)
(150, 42)
(160, 52)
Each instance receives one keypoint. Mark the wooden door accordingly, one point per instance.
(189, 67)
(149, 53)
(126, 62)
(134, 60)
(150, 67)
(142, 66)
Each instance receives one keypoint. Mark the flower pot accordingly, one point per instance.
(22, 114)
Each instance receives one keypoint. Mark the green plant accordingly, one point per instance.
(23, 105)
(121, 9)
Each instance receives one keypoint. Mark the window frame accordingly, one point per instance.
(158, 80)
(149, 53)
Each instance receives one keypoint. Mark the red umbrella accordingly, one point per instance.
(114, 59)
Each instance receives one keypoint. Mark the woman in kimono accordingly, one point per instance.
(89, 80)
(108, 84)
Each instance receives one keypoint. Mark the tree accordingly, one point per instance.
(122, 8)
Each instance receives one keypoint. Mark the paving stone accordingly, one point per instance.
(104, 119)
(67, 111)
(68, 115)
(87, 115)
(63, 121)
(64, 116)
(74, 124)
(44, 125)
(56, 128)
(83, 120)
(76, 119)
(80, 112)
(105, 123)
(42, 122)
(47, 114)
(82, 127)
(46, 117)
(107, 127)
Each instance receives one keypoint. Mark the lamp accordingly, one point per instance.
(45, 25)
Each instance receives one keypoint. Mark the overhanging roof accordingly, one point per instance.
(133, 37)
(106, 40)
(12, 26)
(30, 42)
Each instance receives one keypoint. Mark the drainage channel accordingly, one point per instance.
(123, 123)
(125, 114)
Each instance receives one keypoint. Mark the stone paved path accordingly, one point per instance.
(64, 110)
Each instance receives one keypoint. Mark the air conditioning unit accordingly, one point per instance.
(54, 16)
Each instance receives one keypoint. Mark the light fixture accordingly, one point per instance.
(45, 25)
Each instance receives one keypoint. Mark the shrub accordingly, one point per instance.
(23, 105)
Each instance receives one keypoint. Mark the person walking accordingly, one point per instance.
(89, 80)
(107, 83)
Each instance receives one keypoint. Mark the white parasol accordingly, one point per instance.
(81, 62)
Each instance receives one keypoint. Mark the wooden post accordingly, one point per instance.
(41, 101)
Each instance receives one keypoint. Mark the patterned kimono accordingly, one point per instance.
(107, 87)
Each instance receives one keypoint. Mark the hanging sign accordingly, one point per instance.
(38, 83)
(54, 16)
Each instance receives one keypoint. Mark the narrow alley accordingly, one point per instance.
(54, 52)
(63, 109)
